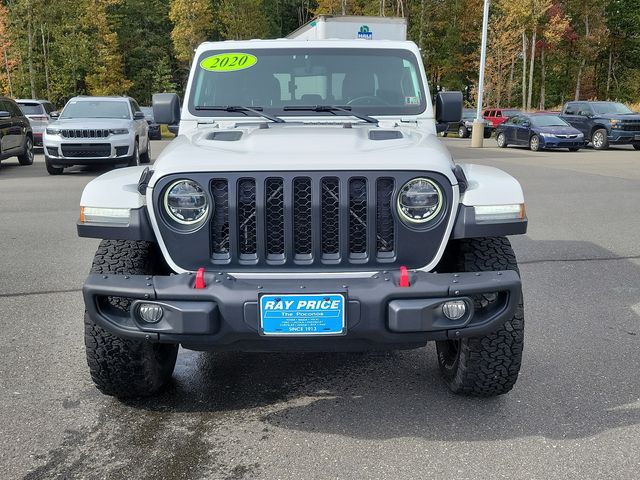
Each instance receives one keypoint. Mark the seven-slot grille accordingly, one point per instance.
(84, 133)
(302, 220)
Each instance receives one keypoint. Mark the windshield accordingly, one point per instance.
(96, 109)
(610, 107)
(31, 108)
(148, 112)
(370, 81)
(510, 113)
(468, 114)
(548, 121)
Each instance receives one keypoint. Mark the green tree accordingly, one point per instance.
(243, 19)
(162, 78)
(107, 75)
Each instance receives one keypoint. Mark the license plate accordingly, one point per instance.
(296, 314)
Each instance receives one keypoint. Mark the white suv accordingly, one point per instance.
(97, 131)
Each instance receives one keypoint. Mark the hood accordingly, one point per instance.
(90, 123)
(304, 147)
(635, 117)
(568, 130)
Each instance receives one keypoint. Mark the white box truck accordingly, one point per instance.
(348, 27)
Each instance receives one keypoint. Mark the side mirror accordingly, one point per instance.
(138, 116)
(526, 124)
(448, 107)
(173, 129)
(166, 108)
(5, 114)
(55, 114)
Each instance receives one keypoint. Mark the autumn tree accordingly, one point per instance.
(192, 23)
(5, 46)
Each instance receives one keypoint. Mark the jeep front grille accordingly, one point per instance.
(320, 212)
(84, 133)
(303, 222)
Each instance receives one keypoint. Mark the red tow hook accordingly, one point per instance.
(404, 277)
(200, 279)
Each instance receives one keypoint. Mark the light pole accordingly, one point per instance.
(477, 133)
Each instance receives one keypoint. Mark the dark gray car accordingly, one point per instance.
(16, 136)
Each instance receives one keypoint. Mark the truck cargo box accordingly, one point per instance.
(348, 27)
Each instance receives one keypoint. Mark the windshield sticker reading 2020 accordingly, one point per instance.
(228, 62)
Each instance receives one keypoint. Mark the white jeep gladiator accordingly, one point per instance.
(307, 205)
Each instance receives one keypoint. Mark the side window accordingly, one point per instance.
(486, 113)
(514, 121)
(48, 107)
(583, 109)
(13, 109)
(498, 114)
(134, 106)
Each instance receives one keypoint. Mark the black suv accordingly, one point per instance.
(604, 123)
(16, 137)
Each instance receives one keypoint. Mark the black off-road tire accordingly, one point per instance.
(483, 366)
(118, 366)
(636, 146)
(574, 149)
(50, 168)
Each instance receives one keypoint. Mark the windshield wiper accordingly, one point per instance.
(331, 109)
(239, 108)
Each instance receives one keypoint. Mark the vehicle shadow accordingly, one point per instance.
(580, 375)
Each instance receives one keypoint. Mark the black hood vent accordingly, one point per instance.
(385, 135)
(231, 136)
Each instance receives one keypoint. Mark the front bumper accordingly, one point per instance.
(624, 137)
(120, 150)
(380, 314)
(562, 142)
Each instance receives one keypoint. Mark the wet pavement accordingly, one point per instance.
(574, 413)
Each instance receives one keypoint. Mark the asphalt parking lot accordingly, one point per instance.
(574, 413)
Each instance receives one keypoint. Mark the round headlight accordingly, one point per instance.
(419, 200)
(185, 202)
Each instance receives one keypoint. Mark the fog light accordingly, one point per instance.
(455, 309)
(150, 312)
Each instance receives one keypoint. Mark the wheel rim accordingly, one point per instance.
(29, 149)
(501, 140)
(535, 143)
(461, 132)
(597, 139)
(136, 154)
